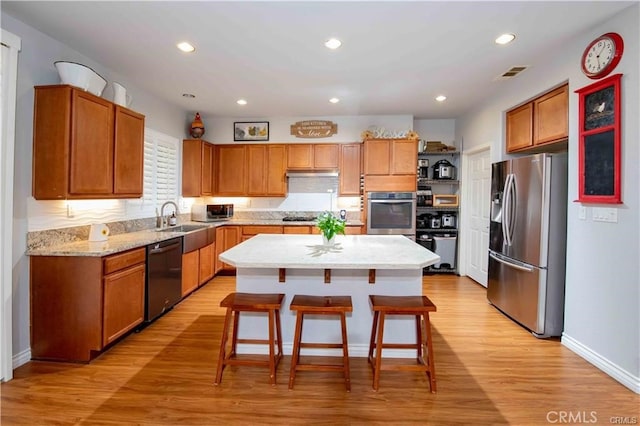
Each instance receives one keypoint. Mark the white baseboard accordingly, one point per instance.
(617, 373)
(21, 358)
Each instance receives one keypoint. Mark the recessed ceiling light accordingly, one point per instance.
(334, 100)
(505, 38)
(441, 98)
(333, 43)
(186, 47)
(241, 102)
(188, 95)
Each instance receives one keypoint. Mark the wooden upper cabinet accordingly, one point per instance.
(325, 156)
(197, 168)
(276, 182)
(256, 169)
(312, 156)
(266, 170)
(390, 157)
(404, 157)
(551, 116)
(128, 152)
(230, 170)
(350, 160)
(300, 156)
(377, 157)
(545, 120)
(77, 139)
(520, 127)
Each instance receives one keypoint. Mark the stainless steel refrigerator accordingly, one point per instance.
(527, 241)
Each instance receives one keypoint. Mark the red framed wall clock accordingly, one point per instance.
(599, 148)
(602, 55)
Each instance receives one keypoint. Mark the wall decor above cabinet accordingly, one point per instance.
(314, 129)
(84, 146)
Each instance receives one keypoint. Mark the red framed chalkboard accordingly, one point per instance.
(599, 142)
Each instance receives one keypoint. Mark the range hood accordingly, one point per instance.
(312, 173)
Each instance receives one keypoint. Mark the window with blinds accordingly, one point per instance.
(160, 170)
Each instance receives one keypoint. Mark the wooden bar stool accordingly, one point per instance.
(320, 305)
(418, 306)
(251, 302)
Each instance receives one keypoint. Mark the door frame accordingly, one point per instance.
(7, 153)
(465, 218)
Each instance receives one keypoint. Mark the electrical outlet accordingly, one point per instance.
(605, 214)
(582, 213)
(70, 211)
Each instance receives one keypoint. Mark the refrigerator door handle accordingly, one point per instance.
(511, 264)
(506, 210)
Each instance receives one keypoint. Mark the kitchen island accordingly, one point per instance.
(356, 266)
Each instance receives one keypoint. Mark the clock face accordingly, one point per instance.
(602, 55)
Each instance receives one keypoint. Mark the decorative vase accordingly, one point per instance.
(328, 242)
(197, 127)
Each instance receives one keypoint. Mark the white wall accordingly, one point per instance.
(220, 130)
(35, 67)
(437, 130)
(602, 320)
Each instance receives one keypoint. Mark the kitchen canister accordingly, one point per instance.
(98, 232)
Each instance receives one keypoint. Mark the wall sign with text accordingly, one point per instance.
(314, 129)
(599, 148)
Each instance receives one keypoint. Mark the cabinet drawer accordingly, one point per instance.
(120, 261)
(296, 230)
(261, 229)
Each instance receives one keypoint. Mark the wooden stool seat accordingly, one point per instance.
(320, 305)
(251, 302)
(418, 306)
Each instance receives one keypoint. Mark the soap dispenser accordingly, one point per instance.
(173, 220)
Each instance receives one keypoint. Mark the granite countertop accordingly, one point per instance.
(349, 252)
(126, 241)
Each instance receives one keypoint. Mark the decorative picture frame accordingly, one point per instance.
(251, 131)
(599, 147)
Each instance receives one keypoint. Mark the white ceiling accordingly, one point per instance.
(395, 58)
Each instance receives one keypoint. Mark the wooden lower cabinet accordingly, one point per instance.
(226, 237)
(79, 305)
(207, 263)
(296, 229)
(190, 271)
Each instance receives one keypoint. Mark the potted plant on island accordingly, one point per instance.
(330, 226)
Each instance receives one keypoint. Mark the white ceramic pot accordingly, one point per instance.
(80, 76)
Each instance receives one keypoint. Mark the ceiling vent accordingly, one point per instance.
(513, 72)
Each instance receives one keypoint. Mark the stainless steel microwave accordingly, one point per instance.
(211, 212)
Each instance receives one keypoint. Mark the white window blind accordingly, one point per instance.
(161, 157)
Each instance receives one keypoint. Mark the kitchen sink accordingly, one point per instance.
(183, 228)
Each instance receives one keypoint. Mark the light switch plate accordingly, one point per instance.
(582, 213)
(605, 214)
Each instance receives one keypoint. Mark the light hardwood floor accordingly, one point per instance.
(488, 369)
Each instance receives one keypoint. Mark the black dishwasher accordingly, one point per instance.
(164, 277)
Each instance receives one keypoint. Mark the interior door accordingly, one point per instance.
(479, 195)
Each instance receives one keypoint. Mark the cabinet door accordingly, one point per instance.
(206, 178)
(91, 149)
(232, 235)
(230, 170)
(520, 127)
(325, 156)
(404, 157)
(191, 167)
(206, 263)
(219, 248)
(128, 152)
(377, 157)
(123, 302)
(276, 168)
(350, 169)
(256, 170)
(190, 271)
(551, 116)
(300, 156)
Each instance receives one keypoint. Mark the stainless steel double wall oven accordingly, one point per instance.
(391, 213)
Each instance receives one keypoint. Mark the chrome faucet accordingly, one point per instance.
(165, 220)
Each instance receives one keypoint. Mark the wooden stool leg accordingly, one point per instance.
(279, 334)
(223, 345)
(234, 340)
(374, 328)
(295, 354)
(430, 357)
(376, 371)
(419, 341)
(272, 348)
(345, 351)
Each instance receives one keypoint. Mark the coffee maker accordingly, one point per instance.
(423, 168)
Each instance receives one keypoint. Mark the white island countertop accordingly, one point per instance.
(348, 252)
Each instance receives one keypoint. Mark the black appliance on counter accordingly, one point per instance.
(164, 277)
